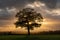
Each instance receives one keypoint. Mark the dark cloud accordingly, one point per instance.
(5, 15)
(50, 3)
(6, 18)
(58, 4)
(10, 3)
(21, 3)
(52, 16)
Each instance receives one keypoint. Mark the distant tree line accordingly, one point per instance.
(57, 32)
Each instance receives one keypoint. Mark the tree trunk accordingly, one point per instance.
(28, 30)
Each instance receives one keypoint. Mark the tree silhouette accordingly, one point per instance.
(28, 18)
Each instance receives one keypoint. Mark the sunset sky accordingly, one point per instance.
(49, 9)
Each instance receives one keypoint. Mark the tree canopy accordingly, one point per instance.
(28, 17)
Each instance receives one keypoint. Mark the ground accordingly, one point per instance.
(31, 37)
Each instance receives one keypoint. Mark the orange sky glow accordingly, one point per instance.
(45, 27)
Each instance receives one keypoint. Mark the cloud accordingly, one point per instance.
(56, 11)
(22, 3)
(47, 13)
(58, 4)
(47, 8)
(42, 8)
(7, 16)
(7, 13)
(35, 4)
(11, 3)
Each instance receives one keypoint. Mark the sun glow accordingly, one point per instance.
(44, 21)
(47, 21)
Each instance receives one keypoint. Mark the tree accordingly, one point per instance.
(28, 18)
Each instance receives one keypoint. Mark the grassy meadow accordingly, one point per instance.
(31, 37)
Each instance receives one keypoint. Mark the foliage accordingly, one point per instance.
(28, 17)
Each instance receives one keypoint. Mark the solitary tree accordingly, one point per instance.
(28, 18)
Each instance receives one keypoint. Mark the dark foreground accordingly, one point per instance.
(31, 37)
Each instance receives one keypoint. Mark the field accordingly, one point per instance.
(31, 37)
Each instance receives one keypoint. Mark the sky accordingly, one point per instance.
(49, 9)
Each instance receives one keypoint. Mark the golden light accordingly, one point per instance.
(19, 27)
(30, 22)
(45, 22)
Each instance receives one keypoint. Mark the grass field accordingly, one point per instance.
(31, 37)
